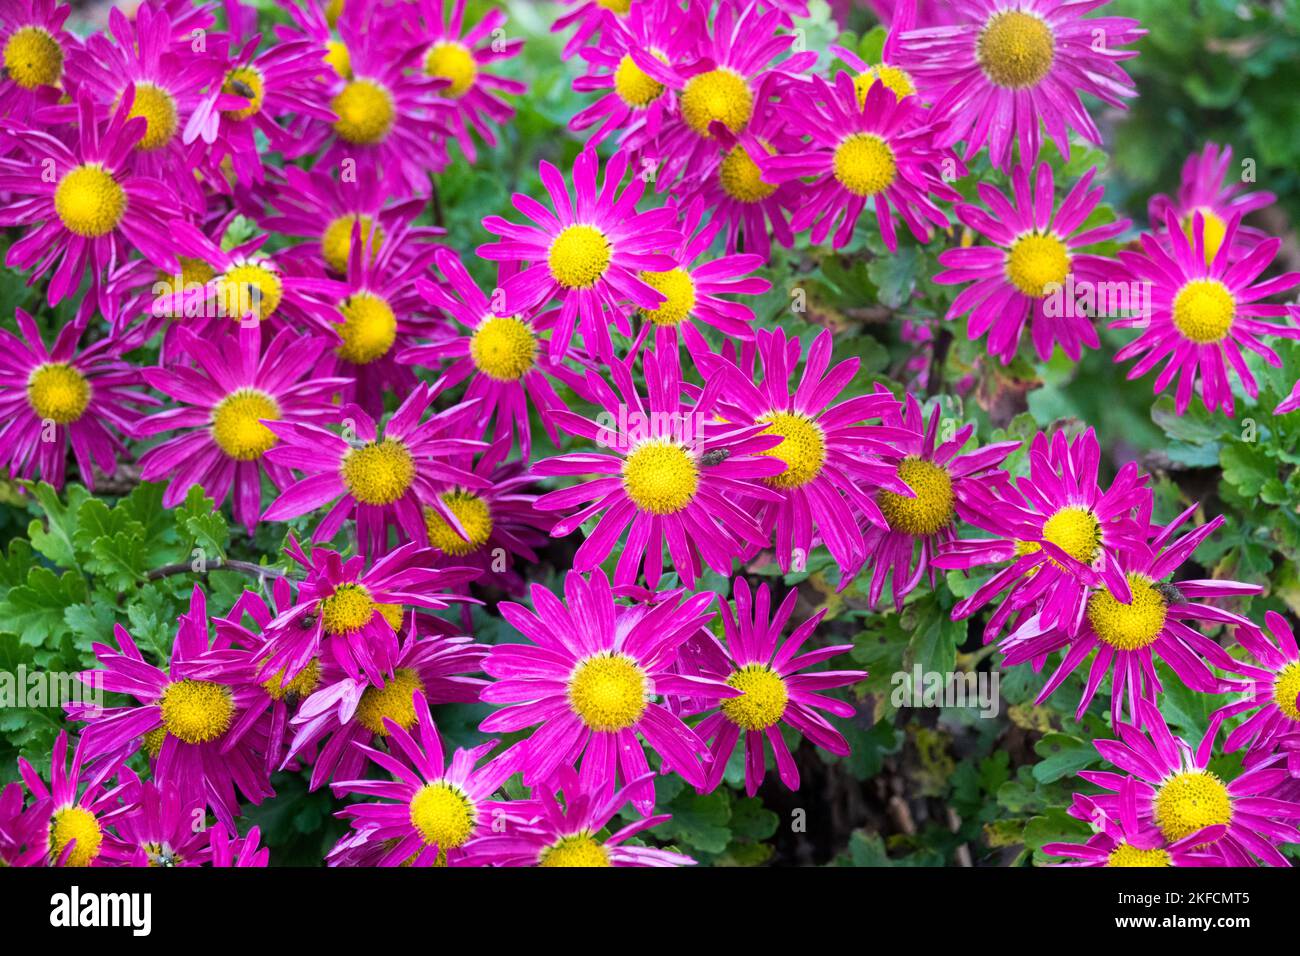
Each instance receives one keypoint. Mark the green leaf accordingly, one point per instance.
(35, 610)
(55, 536)
(198, 522)
(1063, 756)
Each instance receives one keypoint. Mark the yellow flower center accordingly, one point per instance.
(348, 609)
(236, 425)
(193, 272)
(454, 62)
(365, 112)
(1286, 688)
(930, 510)
(1128, 627)
(159, 111)
(503, 348)
(864, 164)
(635, 87)
(302, 685)
(33, 58)
(196, 711)
(336, 243)
(895, 79)
(802, 448)
(368, 328)
(608, 691)
(661, 477)
(1190, 800)
(1127, 855)
(250, 288)
(764, 699)
(338, 58)
(578, 257)
(719, 95)
(1036, 263)
(75, 823)
(395, 700)
(249, 83)
(679, 288)
(153, 741)
(740, 177)
(1015, 49)
(578, 849)
(333, 10)
(380, 472)
(1076, 532)
(1212, 234)
(89, 202)
(57, 392)
(474, 515)
(1204, 310)
(443, 814)
(617, 6)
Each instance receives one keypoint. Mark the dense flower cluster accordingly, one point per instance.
(339, 365)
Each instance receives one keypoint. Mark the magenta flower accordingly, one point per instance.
(53, 398)
(766, 670)
(227, 848)
(156, 827)
(1033, 263)
(1203, 312)
(68, 828)
(36, 49)
(585, 682)
(592, 17)
(590, 254)
(1271, 691)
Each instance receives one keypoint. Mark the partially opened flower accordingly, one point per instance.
(1270, 690)
(586, 681)
(1202, 314)
(1008, 66)
(766, 670)
(61, 396)
(71, 812)
(1021, 277)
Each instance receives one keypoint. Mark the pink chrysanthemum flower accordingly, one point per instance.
(590, 254)
(592, 17)
(500, 353)
(23, 830)
(69, 824)
(61, 396)
(1021, 277)
(36, 49)
(90, 207)
(221, 404)
(766, 670)
(1010, 65)
(1271, 691)
(1131, 621)
(432, 812)
(183, 714)
(876, 150)
(1202, 313)
(156, 827)
(900, 20)
(586, 681)
(1061, 532)
(381, 482)
(1174, 790)
(227, 848)
(826, 449)
(1211, 187)
(944, 484)
(675, 475)
(566, 832)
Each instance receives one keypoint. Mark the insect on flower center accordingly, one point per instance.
(196, 711)
(1286, 688)
(474, 515)
(395, 700)
(300, 685)
(1128, 627)
(1128, 855)
(89, 202)
(249, 83)
(740, 177)
(764, 699)
(864, 164)
(802, 448)
(579, 257)
(454, 62)
(1076, 532)
(634, 86)
(1204, 310)
(347, 610)
(33, 58)
(899, 81)
(1015, 49)
(237, 427)
(1036, 263)
(577, 849)
(250, 288)
(75, 823)
(661, 477)
(443, 814)
(608, 691)
(503, 348)
(930, 510)
(380, 472)
(336, 243)
(338, 58)
(678, 289)
(719, 95)
(1190, 800)
(365, 112)
(1212, 233)
(368, 329)
(57, 392)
